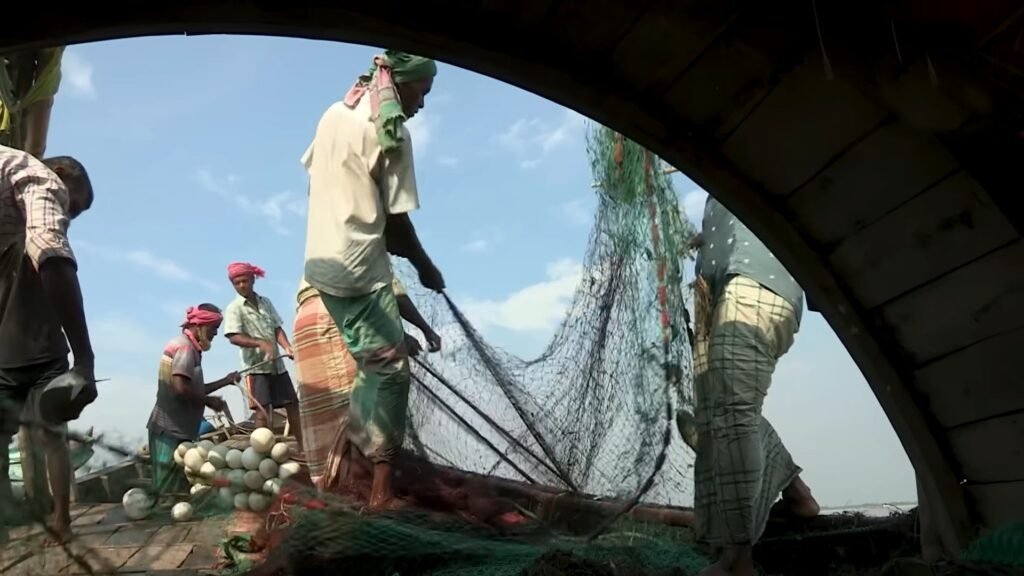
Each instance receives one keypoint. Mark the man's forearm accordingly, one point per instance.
(410, 313)
(59, 277)
(244, 341)
(282, 339)
(216, 385)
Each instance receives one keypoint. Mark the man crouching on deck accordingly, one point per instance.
(253, 324)
(362, 185)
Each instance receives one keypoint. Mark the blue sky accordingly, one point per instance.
(193, 147)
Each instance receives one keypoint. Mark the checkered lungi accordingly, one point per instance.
(742, 465)
(326, 372)
(373, 331)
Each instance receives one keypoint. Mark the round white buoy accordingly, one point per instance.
(207, 470)
(258, 502)
(241, 501)
(199, 489)
(272, 486)
(253, 480)
(237, 479)
(137, 503)
(184, 447)
(194, 460)
(192, 477)
(288, 469)
(262, 440)
(181, 512)
(226, 496)
(268, 468)
(251, 459)
(179, 458)
(280, 452)
(218, 456)
(204, 448)
(234, 458)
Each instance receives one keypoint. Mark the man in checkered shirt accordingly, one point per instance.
(41, 310)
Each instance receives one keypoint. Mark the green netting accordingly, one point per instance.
(1003, 548)
(342, 542)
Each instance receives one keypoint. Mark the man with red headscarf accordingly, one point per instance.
(181, 394)
(253, 324)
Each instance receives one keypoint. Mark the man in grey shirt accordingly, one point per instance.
(750, 315)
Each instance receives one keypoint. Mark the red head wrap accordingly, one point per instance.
(196, 317)
(244, 269)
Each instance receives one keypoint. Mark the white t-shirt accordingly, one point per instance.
(353, 186)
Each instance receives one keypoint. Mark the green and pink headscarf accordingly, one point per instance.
(385, 106)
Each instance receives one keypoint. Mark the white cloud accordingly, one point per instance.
(529, 136)
(477, 246)
(450, 161)
(273, 209)
(76, 75)
(693, 205)
(579, 211)
(483, 241)
(538, 307)
(421, 127)
(146, 260)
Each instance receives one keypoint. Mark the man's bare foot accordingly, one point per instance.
(733, 561)
(61, 533)
(393, 504)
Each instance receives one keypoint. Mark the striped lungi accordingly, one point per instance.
(326, 373)
(742, 465)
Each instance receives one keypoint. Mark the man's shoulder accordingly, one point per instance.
(17, 164)
(235, 304)
(177, 344)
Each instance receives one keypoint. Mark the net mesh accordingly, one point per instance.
(592, 413)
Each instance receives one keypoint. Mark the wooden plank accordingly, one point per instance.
(159, 557)
(806, 121)
(595, 26)
(974, 383)
(938, 231)
(691, 25)
(875, 176)
(980, 300)
(990, 450)
(131, 536)
(998, 504)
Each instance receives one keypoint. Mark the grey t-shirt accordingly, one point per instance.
(729, 248)
(173, 415)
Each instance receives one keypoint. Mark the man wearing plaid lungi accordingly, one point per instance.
(752, 316)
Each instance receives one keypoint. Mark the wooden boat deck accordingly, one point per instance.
(110, 543)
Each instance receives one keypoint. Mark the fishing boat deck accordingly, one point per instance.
(109, 543)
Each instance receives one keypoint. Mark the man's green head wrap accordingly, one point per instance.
(393, 67)
(408, 67)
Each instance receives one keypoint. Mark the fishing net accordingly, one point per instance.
(593, 413)
(569, 441)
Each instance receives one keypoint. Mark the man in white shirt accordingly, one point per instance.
(362, 185)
